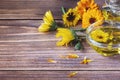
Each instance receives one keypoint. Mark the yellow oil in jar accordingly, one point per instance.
(106, 42)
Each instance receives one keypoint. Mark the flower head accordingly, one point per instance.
(84, 5)
(71, 17)
(66, 35)
(92, 16)
(48, 24)
(99, 35)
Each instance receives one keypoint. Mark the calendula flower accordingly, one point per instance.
(99, 35)
(66, 35)
(48, 24)
(71, 17)
(92, 16)
(84, 5)
(85, 60)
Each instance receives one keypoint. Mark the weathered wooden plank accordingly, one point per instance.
(34, 9)
(24, 48)
(59, 75)
(25, 9)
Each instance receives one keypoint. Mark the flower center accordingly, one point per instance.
(71, 17)
(87, 8)
(100, 37)
(92, 20)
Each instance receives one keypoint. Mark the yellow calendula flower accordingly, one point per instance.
(71, 18)
(92, 16)
(66, 35)
(48, 24)
(84, 5)
(99, 35)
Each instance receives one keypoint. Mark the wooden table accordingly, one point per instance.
(24, 51)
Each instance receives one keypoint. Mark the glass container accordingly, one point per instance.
(105, 39)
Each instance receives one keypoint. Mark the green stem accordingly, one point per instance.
(81, 29)
(63, 10)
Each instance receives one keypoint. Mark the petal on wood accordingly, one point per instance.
(70, 56)
(51, 61)
(85, 60)
(72, 74)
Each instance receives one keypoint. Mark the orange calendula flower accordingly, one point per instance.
(92, 16)
(84, 5)
(51, 61)
(85, 60)
(72, 74)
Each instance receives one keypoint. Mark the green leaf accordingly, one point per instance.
(74, 34)
(78, 46)
(53, 26)
(63, 10)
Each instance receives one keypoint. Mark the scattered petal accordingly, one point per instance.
(73, 56)
(72, 74)
(86, 60)
(70, 56)
(51, 61)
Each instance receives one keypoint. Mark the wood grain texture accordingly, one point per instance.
(59, 75)
(24, 48)
(34, 9)
(24, 51)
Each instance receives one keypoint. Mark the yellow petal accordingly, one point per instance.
(73, 56)
(66, 35)
(85, 60)
(119, 50)
(44, 27)
(48, 17)
(51, 61)
(70, 56)
(72, 74)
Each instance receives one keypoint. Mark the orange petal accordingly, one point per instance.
(73, 56)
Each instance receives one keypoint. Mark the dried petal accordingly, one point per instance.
(72, 74)
(70, 56)
(73, 56)
(51, 61)
(86, 60)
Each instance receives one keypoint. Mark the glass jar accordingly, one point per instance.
(113, 6)
(105, 39)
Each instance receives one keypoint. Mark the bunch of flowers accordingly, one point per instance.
(85, 13)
